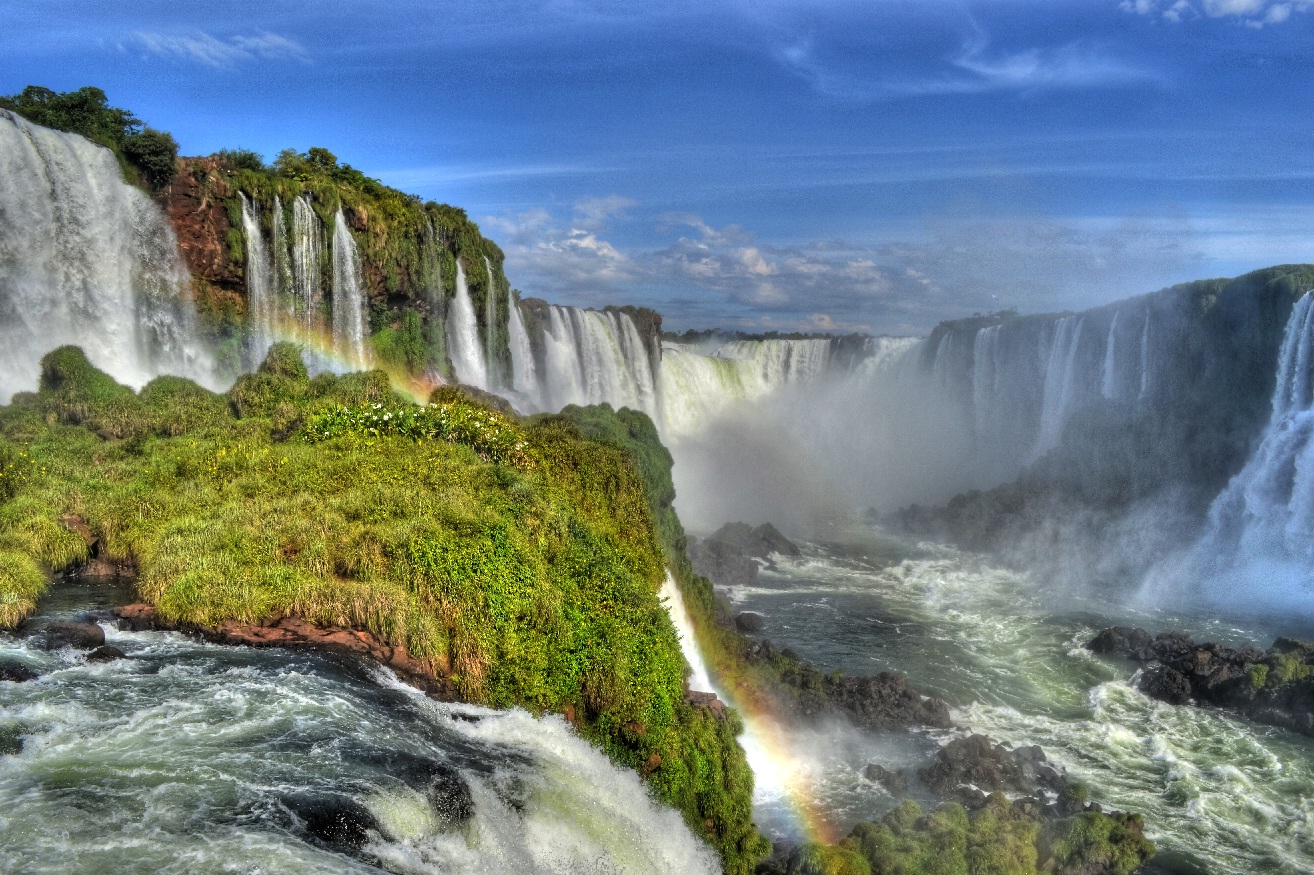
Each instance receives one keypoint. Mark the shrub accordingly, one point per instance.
(154, 153)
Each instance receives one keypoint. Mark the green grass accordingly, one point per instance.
(518, 559)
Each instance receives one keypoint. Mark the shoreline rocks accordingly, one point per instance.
(1274, 686)
(293, 632)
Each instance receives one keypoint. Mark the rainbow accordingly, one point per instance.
(326, 356)
(776, 768)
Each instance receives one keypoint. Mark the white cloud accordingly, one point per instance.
(202, 48)
(975, 69)
(1252, 13)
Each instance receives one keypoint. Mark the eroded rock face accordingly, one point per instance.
(732, 555)
(201, 224)
(1274, 686)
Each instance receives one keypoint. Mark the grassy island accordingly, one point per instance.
(517, 560)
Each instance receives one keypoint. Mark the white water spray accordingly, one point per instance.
(348, 296)
(463, 336)
(86, 259)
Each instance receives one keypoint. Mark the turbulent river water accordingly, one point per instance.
(1219, 794)
(189, 757)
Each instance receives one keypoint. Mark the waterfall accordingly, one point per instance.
(1059, 389)
(1145, 355)
(463, 336)
(699, 680)
(524, 373)
(285, 308)
(1265, 516)
(782, 361)
(1108, 384)
(259, 283)
(596, 356)
(490, 318)
(348, 297)
(307, 261)
(88, 260)
(985, 376)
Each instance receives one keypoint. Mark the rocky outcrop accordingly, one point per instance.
(732, 555)
(883, 702)
(969, 769)
(200, 222)
(1275, 687)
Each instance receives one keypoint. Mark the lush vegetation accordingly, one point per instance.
(409, 249)
(996, 839)
(148, 156)
(516, 560)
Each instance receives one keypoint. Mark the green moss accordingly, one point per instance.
(813, 858)
(1095, 842)
(1258, 676)
(996, 839)
(1286, 668)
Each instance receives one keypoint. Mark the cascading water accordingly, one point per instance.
(259, 284)
(1059, 391)
(490, 321)
(1108, 382)
(282, 264)
(1259, 543)
(595, 356)
(193, 757)
(348, 297)
(524, 371)
(307, 262)
(463, 336)
(699, 679)
(86, 259)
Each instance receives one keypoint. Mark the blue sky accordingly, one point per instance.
(875, 165)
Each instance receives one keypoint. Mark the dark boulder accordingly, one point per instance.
(723, 564)
(16, 672)
(79, 636)
(977, 764)
(105, 653)
(1165, 684)
(1122, 641)
(337, 821)
(750, 621)
(895, 782)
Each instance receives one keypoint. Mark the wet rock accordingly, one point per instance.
(106, 653)
(982, 766)
(16, 672)
(750, 621)
(337, 821)
(445, 789)
(79, 636)
(729, 556)
(895, 782)
(705, 700)
(1275, 687)
(136, 618)
(1165, 684)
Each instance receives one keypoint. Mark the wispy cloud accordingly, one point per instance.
(1252, 13)
(726, 276)
(977, 69)
(201, 48)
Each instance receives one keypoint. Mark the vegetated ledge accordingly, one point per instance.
(510, 562)
(1274, 687)
(1027, 836)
